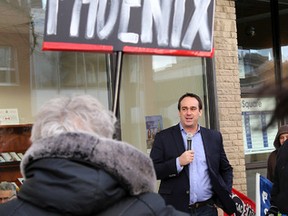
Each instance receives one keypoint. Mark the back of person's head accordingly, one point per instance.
(82, 113)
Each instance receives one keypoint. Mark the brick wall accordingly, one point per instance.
(228, 88)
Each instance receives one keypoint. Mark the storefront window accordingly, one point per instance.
(256, 68)
(283, 16)
(255, 47)
(258, 54)
(29, 76)
(150, 89)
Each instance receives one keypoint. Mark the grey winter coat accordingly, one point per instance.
(82, 174)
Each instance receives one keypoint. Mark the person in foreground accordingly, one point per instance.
(7, 191)
(280, 138)
(279, 192)
(195, 178)
(74, 167)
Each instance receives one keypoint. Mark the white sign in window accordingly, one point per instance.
(256, 114)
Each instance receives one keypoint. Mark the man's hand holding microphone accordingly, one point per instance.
(188, 156)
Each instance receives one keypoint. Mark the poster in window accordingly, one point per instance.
(154, 124)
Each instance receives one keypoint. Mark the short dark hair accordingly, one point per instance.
(190, 95)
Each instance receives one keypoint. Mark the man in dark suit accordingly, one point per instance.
(192, 165)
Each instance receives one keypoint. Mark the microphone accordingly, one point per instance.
(189, 141)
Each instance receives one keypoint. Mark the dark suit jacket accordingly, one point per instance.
(174, 187)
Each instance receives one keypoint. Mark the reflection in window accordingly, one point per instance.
(65, 73)
(284, 51)
(82, 70)
(283, 16)
(256, 67)
(8, 66)
(70, 70)
(151, 86)
(160, 63)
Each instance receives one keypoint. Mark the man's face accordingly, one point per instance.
(6, 195)
(283, 137)
(189, 113)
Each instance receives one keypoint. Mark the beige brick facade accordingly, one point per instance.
(228, 88)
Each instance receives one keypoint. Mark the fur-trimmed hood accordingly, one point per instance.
(128, 165)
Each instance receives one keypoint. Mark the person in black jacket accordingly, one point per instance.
(280, 138)
(279, 192)
(74, 167)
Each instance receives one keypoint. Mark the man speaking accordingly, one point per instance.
(191, 163)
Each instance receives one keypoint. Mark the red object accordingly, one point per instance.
(244, 205)
(59, 46)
